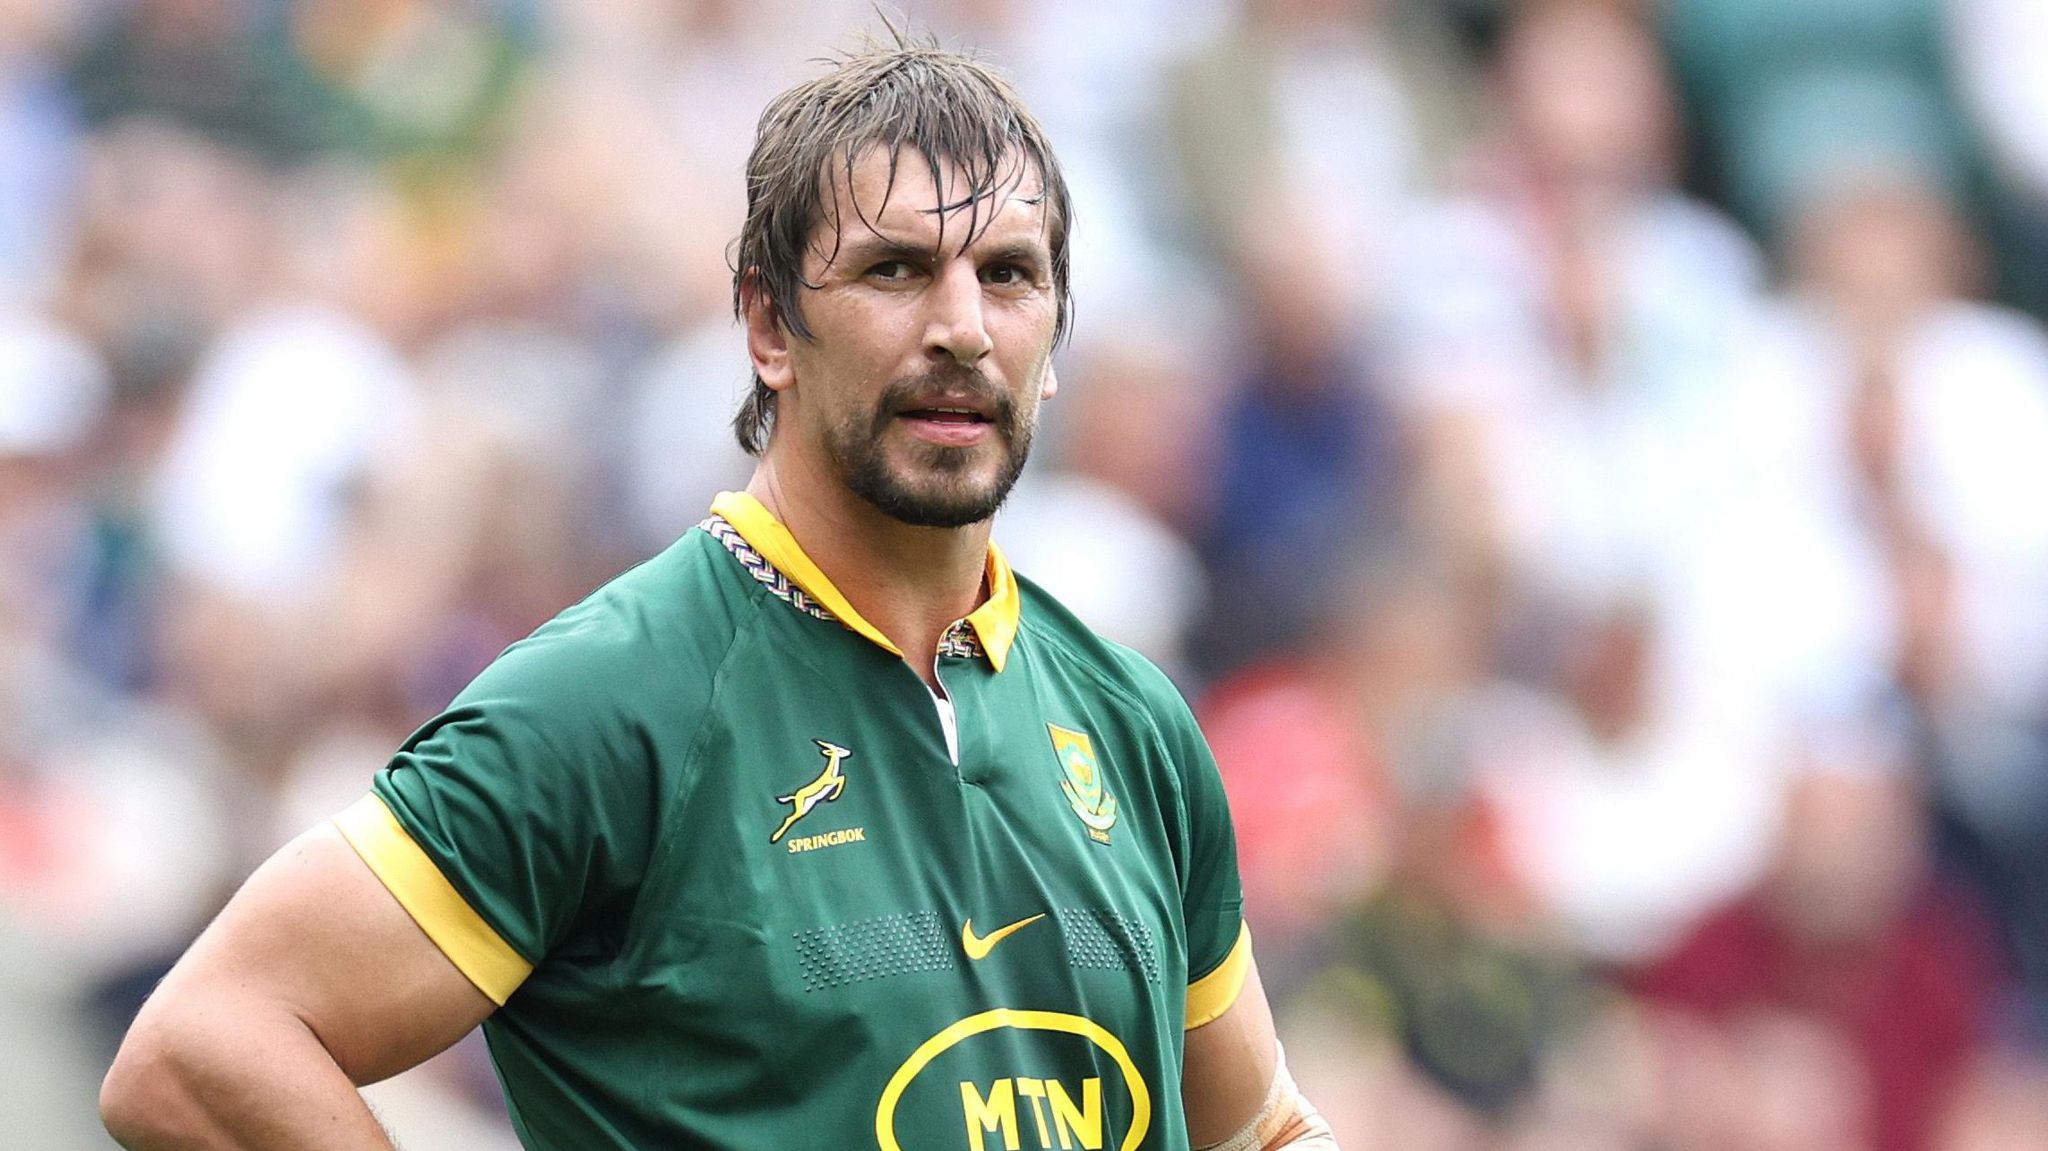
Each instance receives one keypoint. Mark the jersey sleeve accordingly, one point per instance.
(1212, 898)
(519, 814)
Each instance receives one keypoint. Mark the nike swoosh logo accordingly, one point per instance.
(979, 946)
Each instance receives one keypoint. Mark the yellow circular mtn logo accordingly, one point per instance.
(1006, 1112)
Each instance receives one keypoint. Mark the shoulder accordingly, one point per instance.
(658, 630)
(1070, 645)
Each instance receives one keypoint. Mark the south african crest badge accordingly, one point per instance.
(1082, 784)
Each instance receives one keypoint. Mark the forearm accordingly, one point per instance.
(229, 1078)
(313, 979)
(1287, 1121)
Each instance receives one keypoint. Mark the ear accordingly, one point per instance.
(1051, 386)
(767, 337)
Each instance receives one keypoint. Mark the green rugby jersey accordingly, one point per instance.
(736, 882)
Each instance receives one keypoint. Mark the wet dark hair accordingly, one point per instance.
(895, 94)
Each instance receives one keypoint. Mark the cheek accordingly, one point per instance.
(866, 352)
(1023, 334)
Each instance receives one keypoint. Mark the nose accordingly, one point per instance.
(955, 325)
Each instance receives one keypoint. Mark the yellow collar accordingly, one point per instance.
(994, 622)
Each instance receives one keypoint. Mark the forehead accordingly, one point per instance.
(900, 199)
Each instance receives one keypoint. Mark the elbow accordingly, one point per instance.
(147, 1100)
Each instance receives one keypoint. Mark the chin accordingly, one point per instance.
(929, 485)
(938, 497)
(938, 506)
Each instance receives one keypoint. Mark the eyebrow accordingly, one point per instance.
(1019, 252)
(871, 249)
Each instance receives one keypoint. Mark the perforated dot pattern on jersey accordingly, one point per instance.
(1108, 940)
(867, 949)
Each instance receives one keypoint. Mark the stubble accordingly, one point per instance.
(924, 484)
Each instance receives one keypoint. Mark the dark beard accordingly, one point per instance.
(947, 498)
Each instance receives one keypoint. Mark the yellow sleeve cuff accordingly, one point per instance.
(418, 885)
(1212, 995)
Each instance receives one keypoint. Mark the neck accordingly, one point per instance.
(911, 583)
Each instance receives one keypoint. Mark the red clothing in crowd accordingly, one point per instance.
(1911, 1002)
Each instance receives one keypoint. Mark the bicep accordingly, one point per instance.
(1229, 1064)
(315, 933)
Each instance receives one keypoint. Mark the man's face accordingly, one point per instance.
(929, 356)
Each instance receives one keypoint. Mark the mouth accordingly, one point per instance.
(946, 415)
(947, 425)
(952, 421)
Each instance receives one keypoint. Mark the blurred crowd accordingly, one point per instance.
(1587, 460)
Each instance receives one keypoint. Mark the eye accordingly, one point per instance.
(894, 270)
(1005, 275)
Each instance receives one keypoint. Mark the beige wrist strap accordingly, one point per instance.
(1286, 1120)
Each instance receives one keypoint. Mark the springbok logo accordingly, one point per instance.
(823, 789)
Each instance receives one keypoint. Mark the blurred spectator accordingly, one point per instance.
(1570, 333)
(1448, 959)
(259, 478)
(1136, 409)
(300, 560)
(70, 586)
(417, 81)
(1627, 822)
(39, 132)
(53, 391)
(1568, 318)
(2003, 1105)
(1310, 747)
(683, 451)
(110, 828)
(174, 231)
(1997, 47)
(1315, 103)
(1305, 453)
(1781, 92)
(1898, 426)
(1987, 789)
(1880, 977)
(517, 537)
(1100, 519)
(1126, 574)
(210, 66)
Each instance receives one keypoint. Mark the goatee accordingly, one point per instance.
(936, 486)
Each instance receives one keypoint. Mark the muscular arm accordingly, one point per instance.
(1228, 1082)
(1229, 1064)
(312, 981)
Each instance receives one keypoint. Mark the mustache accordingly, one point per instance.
(948, 381)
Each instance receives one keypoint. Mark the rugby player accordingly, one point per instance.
(822, 828)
